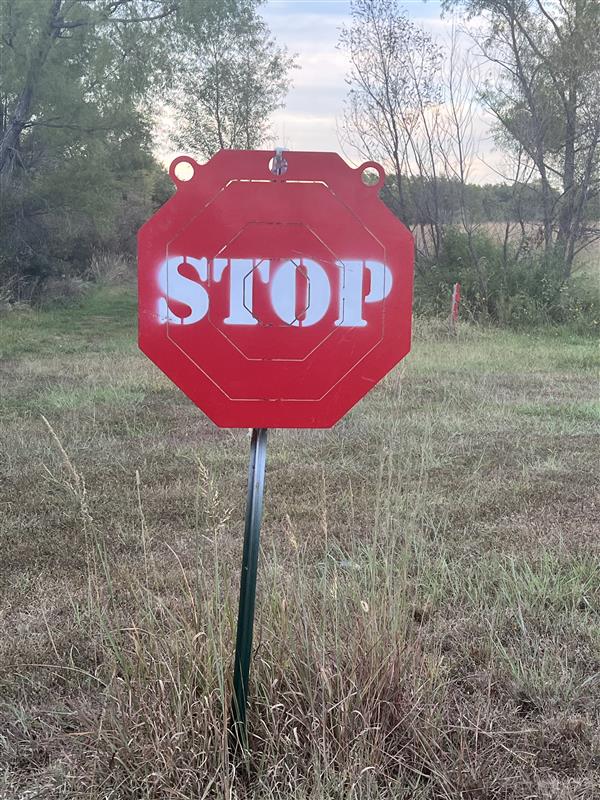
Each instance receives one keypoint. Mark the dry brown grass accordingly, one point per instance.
(428, 618)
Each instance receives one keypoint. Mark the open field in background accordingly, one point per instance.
(587, 260)
(428, 620)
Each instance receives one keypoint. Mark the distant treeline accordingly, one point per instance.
(450, 202)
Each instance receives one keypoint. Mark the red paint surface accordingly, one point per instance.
(320, 216)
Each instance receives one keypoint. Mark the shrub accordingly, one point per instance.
(502, 284)
(54, 225)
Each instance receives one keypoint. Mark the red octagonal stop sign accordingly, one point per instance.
(275, 301)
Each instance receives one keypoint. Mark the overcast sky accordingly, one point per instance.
(310, 29)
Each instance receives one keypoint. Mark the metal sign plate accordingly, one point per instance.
(275, 300)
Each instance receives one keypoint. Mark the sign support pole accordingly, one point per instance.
(245, 623)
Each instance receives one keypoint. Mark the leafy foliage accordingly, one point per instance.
(79, 81)
(232, 77)
(412, 105)
(544, 94)
(503, 283)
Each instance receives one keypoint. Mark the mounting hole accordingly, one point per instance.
(278, 164)
(184, 171)
(371, 174)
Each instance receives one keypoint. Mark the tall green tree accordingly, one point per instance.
(233, 76)
(79, 82)
(75, 65)
(545, 95)
(71, 81)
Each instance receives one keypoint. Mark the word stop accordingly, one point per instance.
(181, 280)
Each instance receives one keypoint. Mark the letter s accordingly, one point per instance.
(176, 286)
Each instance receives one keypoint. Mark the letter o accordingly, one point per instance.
(283, 292)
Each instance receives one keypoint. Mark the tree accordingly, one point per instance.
(393, 79)
(233, 76)
(545, 95)
(79, 80)
(75, 159)
(84, 48)
(409, 109)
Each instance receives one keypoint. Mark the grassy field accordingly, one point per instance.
(429, 588)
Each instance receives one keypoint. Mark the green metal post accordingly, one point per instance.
(245, 624)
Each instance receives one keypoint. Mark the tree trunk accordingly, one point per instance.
(9, 144)
(566, 217)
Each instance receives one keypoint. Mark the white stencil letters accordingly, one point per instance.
(238, 273)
